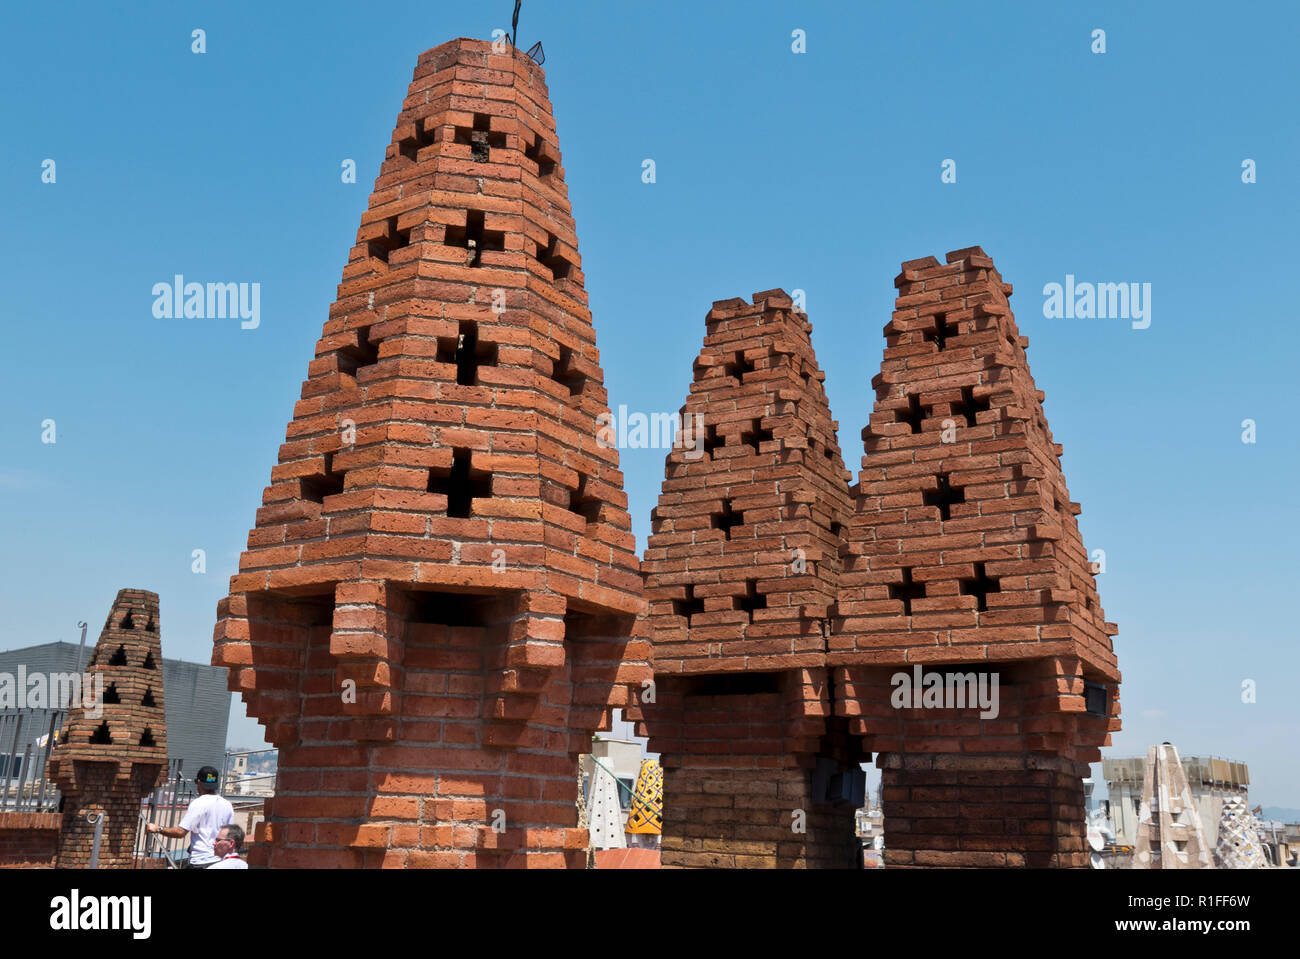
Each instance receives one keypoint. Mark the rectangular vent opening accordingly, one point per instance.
(732, 684)
(453, 609)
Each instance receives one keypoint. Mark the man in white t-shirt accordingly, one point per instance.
(227, 845)
(202, 820)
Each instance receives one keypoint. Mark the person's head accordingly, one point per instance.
(229, 839)
(208, 779)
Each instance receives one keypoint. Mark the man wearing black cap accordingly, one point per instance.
(202, 820)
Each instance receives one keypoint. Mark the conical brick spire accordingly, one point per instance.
(114, 751)
(741, 568)
(443, 565)
(964, 554)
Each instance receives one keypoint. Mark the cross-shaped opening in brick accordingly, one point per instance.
(754, 434)
(354, 356)
(381, 247)
(752, 599)
(148, 699)
(102, 736)
(584, 502)
(727, 520)
(737, 366)
(119, 657)
(461, 484)
(538, 152)
(468, 354)
(689, 606)
(551, 259)
(148, 661)
(151, 626)
(146, 738)
(979, 587)
(937, 334)
(128, 621)
(480, 137)
(968, 405)
(111, 696)
(943, 496)
(914, 415)
(711, 440)
(474, 237)
(568, 375)
(417, 141)
(907, 591)
(325, 483)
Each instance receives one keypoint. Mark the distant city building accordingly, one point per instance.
(1211, 782)
(196, 705)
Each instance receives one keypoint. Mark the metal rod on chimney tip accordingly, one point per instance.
(514, 23)
(81, 652)
(98, 820)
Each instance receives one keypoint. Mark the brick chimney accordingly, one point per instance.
(105, 764)
(741, 567)
(434, 611)
(964, 557)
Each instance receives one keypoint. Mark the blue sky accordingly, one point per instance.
(818, 171)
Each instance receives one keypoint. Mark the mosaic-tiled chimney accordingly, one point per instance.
(741, 568)
(114, 752)
(433, 613)
(964, 558)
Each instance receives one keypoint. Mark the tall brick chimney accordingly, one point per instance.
(964, 556)
(105, 764)
(741, 568)
(433, 613)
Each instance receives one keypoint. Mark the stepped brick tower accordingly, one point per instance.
(111, 755)
(741, 568)
(963, 556)
(433, 613)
